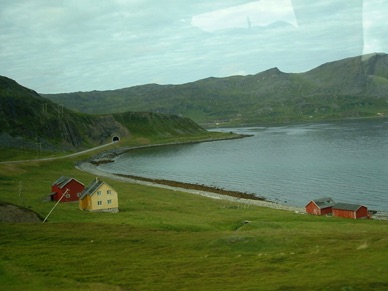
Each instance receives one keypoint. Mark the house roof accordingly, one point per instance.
(324, 202)
(91, 188)
(347, 206)
(62, 181)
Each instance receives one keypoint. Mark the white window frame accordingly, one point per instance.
(99, 202)
(98, 192)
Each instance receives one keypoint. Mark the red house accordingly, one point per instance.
(347, 210)
(63, 184)
(320, 206)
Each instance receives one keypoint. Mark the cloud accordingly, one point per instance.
(257, 13)
(82, 45)
(374, 19)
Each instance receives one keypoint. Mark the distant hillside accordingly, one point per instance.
(28, 120)
(353, 87)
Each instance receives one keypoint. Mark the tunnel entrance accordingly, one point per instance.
(116, 138)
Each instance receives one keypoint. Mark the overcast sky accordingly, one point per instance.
(55, 46)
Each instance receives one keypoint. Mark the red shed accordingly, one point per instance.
(62, 184)
(348, 210)
(320, 206)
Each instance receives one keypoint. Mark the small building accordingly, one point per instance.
(320, 206)
(98, 196)
(348, 210)
(71, 186)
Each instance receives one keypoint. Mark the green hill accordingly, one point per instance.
(170, 240)
(353, 87)
(30, 121)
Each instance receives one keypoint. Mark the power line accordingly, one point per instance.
(21, 200)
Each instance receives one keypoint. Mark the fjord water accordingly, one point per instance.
(291, 165)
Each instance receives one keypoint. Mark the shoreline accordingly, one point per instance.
(201, 190)
(109, 155)
(90, 166)
(261, 202)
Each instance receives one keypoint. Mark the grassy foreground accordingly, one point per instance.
(170, 240)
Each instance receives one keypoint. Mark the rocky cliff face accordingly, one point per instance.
(30, 121)
(104, 128)
(27, 120)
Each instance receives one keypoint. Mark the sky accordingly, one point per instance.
(58, 46)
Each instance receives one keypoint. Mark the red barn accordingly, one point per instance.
(73, 187)
(320, 206)
(348, 210)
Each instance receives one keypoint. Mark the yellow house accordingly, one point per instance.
(99, 196)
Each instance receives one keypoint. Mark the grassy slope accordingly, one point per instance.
(168, 240)
(350, 88)
(33, 124)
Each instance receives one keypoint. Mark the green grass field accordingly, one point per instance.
(170, 240)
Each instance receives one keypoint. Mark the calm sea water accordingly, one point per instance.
(347, 161)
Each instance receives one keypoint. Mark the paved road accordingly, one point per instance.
(61, 157)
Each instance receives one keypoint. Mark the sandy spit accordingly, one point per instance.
(92, 169)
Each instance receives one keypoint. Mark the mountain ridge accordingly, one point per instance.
(351, 87)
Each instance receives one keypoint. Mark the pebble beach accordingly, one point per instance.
(92, 169)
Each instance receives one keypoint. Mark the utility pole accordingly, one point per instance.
(21, 200)
(60, 111)
(38, 146)
(44, 108)
(63, 195)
